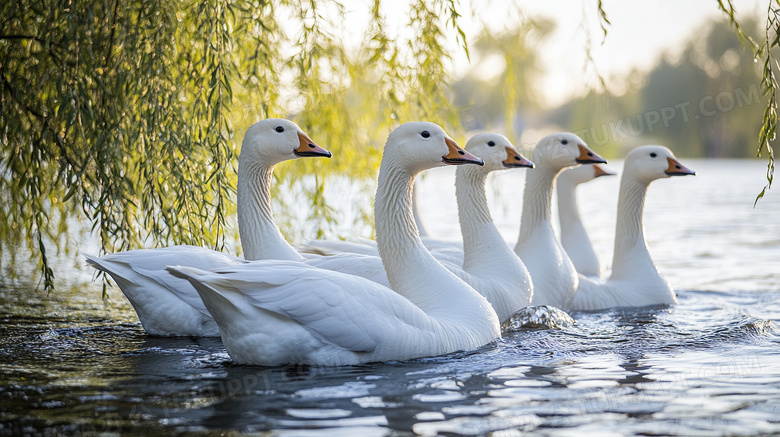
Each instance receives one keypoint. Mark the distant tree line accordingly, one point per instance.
(705, 104)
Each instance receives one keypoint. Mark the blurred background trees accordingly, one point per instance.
(120, 121)
(706, 102)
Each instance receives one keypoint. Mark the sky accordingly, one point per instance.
(640, 33)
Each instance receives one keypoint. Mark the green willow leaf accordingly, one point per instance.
(762, 50)
(130, 114)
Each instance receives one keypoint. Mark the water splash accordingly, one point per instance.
(537, 317)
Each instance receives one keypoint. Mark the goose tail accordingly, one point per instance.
(217, 301)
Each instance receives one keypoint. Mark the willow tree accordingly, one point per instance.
(125, 114)
(762, 51)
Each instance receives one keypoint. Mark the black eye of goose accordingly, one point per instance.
(653, 155)
(279, 129)
(491, 143)
(564, 141)
(425, 134)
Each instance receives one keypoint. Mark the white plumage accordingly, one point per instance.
(489, 265)
(170, 306)
(634, 280)
(165, 305)
(275, 312)
(552, 272)
(574, 237)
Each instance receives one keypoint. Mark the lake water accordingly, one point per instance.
(75, 364)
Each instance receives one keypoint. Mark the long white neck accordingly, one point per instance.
(630, 254)
(260, 236)
(552, 272)
(537, 199)
(574, 237)
(482, 242)
(503, 278)
(568, 211)
(411, 269)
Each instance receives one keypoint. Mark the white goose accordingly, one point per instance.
(635, 280)
(276, 312)
(553, 274)
(490, 265)
(167, 305)
(574, 237)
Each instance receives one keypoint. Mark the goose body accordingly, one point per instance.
(276, 312)
(574, 237)
(552, 272)
(449, 252)
(489, 265)
(165, 305)
(634, 280)
(169, 306)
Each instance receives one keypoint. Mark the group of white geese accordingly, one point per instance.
(403, 296)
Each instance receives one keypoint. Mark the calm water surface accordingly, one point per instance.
(75, 364)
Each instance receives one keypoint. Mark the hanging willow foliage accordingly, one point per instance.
(762, 51)
(129, 114)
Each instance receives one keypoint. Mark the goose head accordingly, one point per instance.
(648, 163)
(564, 149)
(497, 152)
(419, 145)
(274, 140)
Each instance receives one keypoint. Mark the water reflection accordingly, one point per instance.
(73, 363)
(652, 370)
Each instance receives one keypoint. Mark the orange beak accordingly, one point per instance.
(677, 169)
(515, 159)
(588, 156)
(458, 156)
(309, 148)
(599, 171)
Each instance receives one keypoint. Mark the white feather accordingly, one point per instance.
(634, 280)
(166, 305)
(552, 272)
(574, 237)
(491, 267)
(274, 312)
